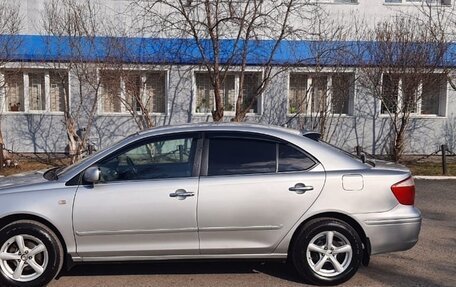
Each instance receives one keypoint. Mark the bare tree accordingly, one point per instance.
(319, 96)
(10, 26)
(137, 89)
(75, 26)
(224, 34)
(404, 57)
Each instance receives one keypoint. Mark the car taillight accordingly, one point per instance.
(404, 191)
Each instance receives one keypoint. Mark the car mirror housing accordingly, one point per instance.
(92, 174)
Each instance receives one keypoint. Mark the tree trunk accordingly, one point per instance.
(73, 140)
(217, 114)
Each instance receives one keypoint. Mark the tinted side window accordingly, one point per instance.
(152, 160)
(241, 156)
(292, 159)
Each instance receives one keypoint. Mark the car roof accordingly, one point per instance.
(330, 158)
(223, 126)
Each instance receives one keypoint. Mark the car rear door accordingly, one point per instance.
(145, 204)
(253, 189)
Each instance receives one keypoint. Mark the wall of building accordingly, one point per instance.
(45, 132)
(121, 13)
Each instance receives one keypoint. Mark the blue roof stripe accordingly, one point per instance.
(36, 48)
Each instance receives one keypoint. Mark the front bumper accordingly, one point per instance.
(394, 230)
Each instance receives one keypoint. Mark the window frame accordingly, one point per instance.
(45, 88)
(252, 136)
(24, 74)
(417, 3)
(442, 99)
(311, 75)
(122, 90)
(68, 83)
(235, 73)
(334, 2)
(196, 165)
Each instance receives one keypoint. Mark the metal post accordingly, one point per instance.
(359, 150)
(1, 155)
(444, 149)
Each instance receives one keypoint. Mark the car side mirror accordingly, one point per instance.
(92, 174)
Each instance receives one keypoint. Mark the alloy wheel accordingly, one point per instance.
(23, 258)
(329, 253)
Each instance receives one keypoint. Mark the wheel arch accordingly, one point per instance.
(345, 218)
(23, 216)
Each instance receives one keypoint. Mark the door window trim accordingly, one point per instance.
(253, 136)
(196, 165)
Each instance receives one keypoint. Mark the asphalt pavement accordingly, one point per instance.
(432, 262)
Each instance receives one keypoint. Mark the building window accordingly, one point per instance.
(342, 89)
(229, 90)
(133, 91)
(133, 83)
(338, 1)
(390, 86)
(413, 94)
(36, 92)
(110, 92)
(58, 90)
(319, 90)
(297, 94)
(252, 82)
(205, 101)
(421, 2)
(145, 92)
(320, 93)
(154, 92)
(433, 93)
(14, 91)
(410, 90)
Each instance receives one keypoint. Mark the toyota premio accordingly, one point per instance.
(208, 191)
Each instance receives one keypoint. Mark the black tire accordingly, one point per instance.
(311, 231)
(55, 253)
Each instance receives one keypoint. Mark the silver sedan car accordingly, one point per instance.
(208, 191)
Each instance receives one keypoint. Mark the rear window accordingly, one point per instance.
(292, 159)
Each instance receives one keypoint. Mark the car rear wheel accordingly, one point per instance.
(30, 254)
(327, 252)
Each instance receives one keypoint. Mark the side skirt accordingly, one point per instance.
(181, 257)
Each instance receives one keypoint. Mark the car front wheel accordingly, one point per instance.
(327, 252)
(30, 254)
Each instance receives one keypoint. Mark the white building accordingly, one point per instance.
(179, 91)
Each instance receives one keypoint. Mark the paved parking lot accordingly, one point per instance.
(432, 262)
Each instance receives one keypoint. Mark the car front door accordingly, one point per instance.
(252, 191)
(145, 202)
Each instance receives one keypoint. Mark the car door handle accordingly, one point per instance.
(301, 188)
(181, 194)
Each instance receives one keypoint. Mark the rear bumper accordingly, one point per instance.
(394, 230)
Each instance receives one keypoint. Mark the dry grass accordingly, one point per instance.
(431, 168)
(24, 167)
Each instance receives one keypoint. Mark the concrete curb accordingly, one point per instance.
(433, 177)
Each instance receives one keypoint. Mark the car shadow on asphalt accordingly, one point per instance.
(279, 270)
